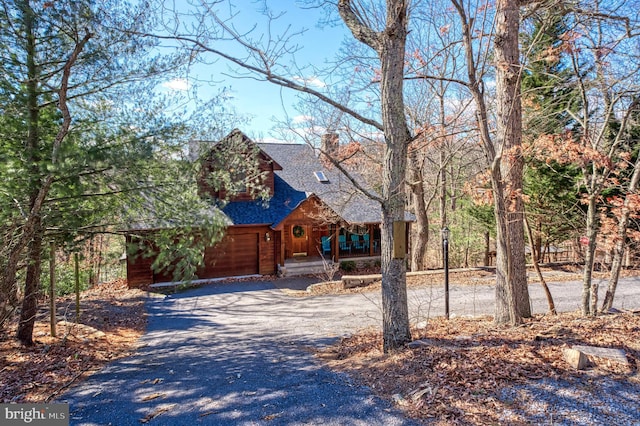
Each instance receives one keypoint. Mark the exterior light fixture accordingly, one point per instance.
(267, 237)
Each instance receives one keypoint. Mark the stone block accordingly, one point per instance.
(610, 354)
(575, 358)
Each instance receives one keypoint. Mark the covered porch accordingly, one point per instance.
(335, 242)
(356, 241)
(311, 230)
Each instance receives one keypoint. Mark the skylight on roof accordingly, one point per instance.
(321, 176)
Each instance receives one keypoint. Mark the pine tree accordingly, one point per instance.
(549, 95)
(85, 138)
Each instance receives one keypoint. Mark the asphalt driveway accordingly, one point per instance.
(228, 355)
(239, 354)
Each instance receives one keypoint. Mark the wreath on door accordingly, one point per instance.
(298, 231)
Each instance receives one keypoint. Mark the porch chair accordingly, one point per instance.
(326, 245)
(355, 242)
(342, 242)
(365, 243)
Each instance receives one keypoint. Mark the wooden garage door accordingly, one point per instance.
(245, 254)
(236, 255)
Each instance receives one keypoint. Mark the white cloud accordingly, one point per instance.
(302, 118)
(179, 84)
(310, 81)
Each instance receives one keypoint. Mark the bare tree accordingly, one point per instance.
(389, 43)
(502, 149)
(620, 240)
(605, 66)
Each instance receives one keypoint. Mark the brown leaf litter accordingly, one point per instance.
(111, 321)
(454, 369)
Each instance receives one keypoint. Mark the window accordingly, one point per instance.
(239, 180)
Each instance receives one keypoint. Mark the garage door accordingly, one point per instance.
(245, 254)
(235, 255)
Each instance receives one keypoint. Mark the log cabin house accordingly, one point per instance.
(313, 213)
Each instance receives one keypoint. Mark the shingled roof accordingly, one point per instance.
(337, 191)
(296, 182)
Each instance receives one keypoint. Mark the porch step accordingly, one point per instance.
(296, 268)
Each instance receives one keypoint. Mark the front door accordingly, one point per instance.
(300, 240)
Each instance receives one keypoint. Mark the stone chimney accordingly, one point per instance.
(329, 143)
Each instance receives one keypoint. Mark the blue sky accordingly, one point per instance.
(264, 100)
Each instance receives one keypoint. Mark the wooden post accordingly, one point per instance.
(335, 247)
(52, 289)
(77, 277)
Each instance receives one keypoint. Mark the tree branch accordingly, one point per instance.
(361, 32)
(269, 76)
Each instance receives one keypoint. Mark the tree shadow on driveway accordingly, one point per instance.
(225, 356)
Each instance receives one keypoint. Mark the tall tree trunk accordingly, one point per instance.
(76, 277)
(419, 249)
(40, 186)
(618, 250)
(52, 289)
(91, 260)
(506, 311)
(442, 117)
(390, 47)
(509, 138)
(538, 242)
(536, 265)
(31, 289)
(99, 258)
(616, 265)
(396, 330)
(588, 286)
(511, 289)
(443, 190)
(487, 248)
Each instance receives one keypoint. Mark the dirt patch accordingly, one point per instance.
(454, 374)
(111, 321)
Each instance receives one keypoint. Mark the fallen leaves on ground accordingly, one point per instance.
(463, 276)
(156, 412)
(154, 396)
(111, 321)
(453, 374)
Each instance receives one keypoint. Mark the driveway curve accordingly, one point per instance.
(240, 354)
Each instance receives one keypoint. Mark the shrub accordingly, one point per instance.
(348, 265)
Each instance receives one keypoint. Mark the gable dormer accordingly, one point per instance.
(236, 169)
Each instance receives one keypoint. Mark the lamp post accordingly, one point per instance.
(445, 258)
